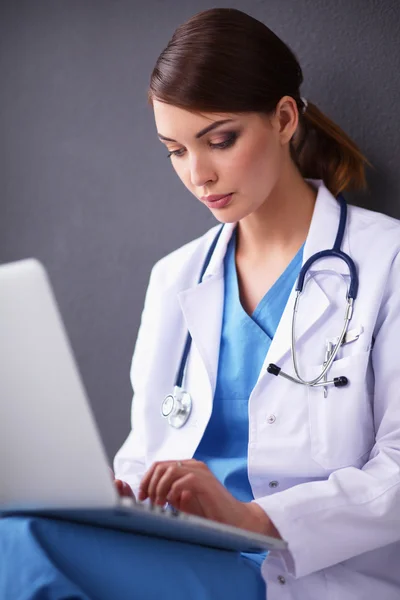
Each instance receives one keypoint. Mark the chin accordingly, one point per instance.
(231, 214)
(224, 218)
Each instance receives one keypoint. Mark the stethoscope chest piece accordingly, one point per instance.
(176, 407)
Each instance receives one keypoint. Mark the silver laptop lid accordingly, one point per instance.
(50, 450)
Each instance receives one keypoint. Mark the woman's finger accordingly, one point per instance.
(123, 488)
(155, 478)
(183, 494)
(181, 500)
(144, 484)
(165, 483)
(157, 470)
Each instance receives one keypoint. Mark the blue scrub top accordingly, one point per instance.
(245, 341)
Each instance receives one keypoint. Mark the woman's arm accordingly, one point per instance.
(324, 522)
(355, 510)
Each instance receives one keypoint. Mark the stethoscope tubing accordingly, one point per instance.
(351, 296)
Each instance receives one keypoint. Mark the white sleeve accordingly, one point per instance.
(355, 510)
(129, 462)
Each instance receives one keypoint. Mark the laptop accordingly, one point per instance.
(52, 460)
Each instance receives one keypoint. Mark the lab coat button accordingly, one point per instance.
(271, 419)
(273, 484)
(281, 579)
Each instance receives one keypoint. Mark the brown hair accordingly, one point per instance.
(223, 60)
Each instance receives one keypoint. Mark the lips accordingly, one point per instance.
(214, 197)
(217, 200)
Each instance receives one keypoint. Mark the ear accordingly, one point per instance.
(286, 118)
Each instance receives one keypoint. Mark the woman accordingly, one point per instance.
(318, 465)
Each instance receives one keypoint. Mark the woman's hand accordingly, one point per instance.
(123, 488)
(190, 486)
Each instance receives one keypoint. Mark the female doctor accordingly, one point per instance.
(242, 414)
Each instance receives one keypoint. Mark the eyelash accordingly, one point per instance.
(230, 140)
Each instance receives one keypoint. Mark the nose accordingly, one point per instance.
(201, 171)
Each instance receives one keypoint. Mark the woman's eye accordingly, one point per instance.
(176, 152)
(227, 142)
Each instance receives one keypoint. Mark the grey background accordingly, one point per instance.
(87, 188)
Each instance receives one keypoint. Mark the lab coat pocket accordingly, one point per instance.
(341, 425)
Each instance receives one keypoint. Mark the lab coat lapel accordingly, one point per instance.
(315, 304)
(202, 307)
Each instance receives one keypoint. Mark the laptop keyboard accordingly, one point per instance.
(168, 510)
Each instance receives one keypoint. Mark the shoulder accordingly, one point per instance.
(371, 221)
(182, 266)
(373, 230)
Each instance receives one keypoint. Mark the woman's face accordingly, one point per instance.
(230, 162)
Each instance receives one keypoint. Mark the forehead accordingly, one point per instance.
(174, 122)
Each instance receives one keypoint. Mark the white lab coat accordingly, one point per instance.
(326, 470)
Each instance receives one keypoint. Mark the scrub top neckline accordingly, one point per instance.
(269, 297)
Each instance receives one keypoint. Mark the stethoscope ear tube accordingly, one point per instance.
(332, 354)
(352, 292)
(353, 287)
(337, 252)
(341, 381)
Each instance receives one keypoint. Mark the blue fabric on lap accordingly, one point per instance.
(43, 559)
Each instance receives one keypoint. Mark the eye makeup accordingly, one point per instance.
(228, 142)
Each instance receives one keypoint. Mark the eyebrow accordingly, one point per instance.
(202, 131)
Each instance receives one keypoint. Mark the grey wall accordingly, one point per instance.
(87, 188)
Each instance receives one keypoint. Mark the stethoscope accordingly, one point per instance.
(176, 407)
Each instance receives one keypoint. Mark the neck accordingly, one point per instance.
(281, 224)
